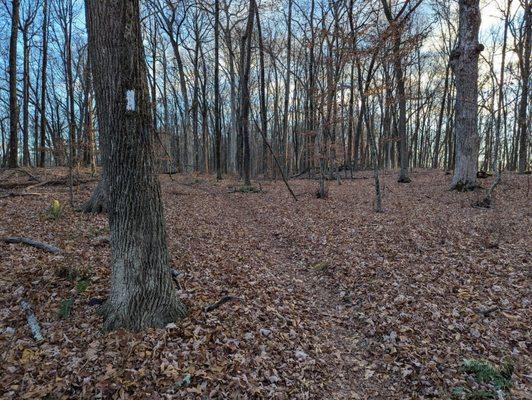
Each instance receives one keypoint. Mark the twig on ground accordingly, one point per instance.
(220, 302)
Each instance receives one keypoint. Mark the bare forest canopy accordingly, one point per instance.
(316, 70)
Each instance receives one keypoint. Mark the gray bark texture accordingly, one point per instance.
(525, 82)
(464, 61)
(142, 294)
(13, 104)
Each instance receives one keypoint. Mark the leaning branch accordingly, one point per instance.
(276, 162)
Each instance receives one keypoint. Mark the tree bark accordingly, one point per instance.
(525, 82)
(244, 93)
(142, 294)
(464, 61)
(263, 107)
(42, 152)
(26, 97)
(217, 124)
(13, 105)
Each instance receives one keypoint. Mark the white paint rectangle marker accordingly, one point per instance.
(130, 97)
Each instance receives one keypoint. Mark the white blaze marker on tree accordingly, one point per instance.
(130, 97)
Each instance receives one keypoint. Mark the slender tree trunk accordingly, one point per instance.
(464, 61)
(263, 107)
(500, 104)
(287, 77)
(217, 124)
(42, 150)
(525, 82)
(244, 92)
(13, 103)
(26, 98)
(436, 158)
(142, 294)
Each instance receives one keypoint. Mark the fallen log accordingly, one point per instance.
(30, 242)
(32, 321)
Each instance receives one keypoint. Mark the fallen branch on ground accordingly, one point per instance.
(50, 182)
(220, 302)
(16, 194)
(30, 242)
(32, 321)
(31, 176)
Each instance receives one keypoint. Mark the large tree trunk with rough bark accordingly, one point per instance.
(401, 97)
(142, 294)
(464, 61)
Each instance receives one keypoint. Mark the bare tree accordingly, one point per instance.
(524, 53)
(42, 150)
(13, 102)
(245, 55)
(464, 61)
(142, 293)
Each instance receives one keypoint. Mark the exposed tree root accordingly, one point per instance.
(119, 316)
(98, 200)
(405, 179)
(461, 186)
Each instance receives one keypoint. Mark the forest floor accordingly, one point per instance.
(336, 301)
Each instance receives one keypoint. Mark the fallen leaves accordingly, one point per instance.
(336, 301)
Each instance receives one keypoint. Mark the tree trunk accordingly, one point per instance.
(401, 97)
(13, 105)
(142, 293)
(244, 93)
(436, 158)
(263, 107)
(26, 98)
(500, 104)
(525, 82)
(464, 61)
(217, 124)
(42, 152)
(287, 77)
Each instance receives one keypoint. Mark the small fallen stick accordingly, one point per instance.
(30, 242)
(220, 302)
(32, 321)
